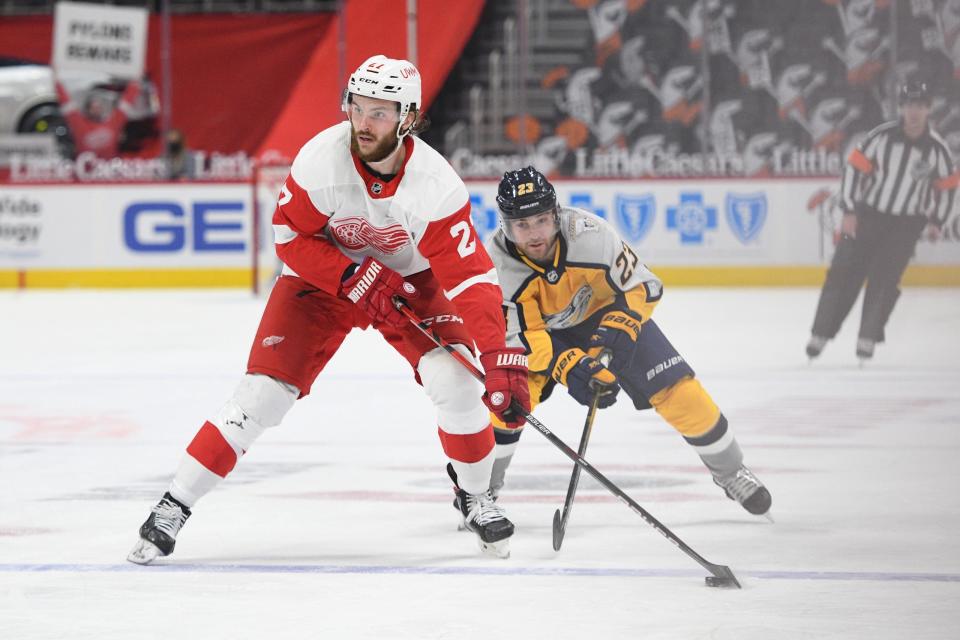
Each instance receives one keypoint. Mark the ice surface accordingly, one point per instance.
(338, 524)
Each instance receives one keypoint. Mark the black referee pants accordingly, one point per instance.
(878, 255)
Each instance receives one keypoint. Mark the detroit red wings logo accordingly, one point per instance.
(358, 233)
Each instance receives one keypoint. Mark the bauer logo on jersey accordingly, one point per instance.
(356, 234)
(663, 366)
(746, 214)
(635, 215)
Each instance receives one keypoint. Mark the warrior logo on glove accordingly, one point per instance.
(372, 287)
(506, 384)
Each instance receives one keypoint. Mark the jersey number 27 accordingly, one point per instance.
(467, 244)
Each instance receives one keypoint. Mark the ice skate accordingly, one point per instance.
(815, 346)
(481, 514)
(745, 488)
(865, 348)
(158, 535)
(462, 523)
(461, 520)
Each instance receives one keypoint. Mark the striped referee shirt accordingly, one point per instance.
(892, 174)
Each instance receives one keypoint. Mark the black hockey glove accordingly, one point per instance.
(584, 376)
(617, 333)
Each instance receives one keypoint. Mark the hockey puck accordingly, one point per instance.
(727, 583)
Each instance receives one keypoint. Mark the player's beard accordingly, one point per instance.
(383, 148)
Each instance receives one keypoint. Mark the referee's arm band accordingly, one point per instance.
(860, 162)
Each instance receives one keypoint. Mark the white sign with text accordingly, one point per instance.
(92, 37)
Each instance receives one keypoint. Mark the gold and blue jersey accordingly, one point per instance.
(592, 269)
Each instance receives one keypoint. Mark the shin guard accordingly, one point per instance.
(258, 402)
(464, 423)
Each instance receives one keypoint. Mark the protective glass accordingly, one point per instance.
(386, 114)
(539, 226)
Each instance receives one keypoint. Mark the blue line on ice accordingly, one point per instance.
(864, 576)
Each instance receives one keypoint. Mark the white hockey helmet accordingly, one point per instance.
(387, 79)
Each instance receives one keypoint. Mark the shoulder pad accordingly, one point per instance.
(578, 221)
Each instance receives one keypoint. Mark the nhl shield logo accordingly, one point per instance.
(376, 188)
(635, 215)
(746, 214)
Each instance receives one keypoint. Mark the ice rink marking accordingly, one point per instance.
(586, 572)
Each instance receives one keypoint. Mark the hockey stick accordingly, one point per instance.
(560, 519)
(721, 576)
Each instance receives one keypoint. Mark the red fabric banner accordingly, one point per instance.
(372, 28)
(255, 83)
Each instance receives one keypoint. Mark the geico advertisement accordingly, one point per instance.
(715, 222)
(125, 226)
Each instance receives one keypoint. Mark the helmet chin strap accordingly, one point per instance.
(404, 112)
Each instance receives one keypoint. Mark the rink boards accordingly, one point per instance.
(691, 232)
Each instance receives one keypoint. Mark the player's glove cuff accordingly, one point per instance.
(617, 333)
(585, 377)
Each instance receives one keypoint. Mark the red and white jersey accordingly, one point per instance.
(333, 212)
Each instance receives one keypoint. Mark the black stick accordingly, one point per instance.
(560, 519)
(721, 576)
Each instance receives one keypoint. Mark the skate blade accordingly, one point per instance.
(144, 552)
(769, 517)
(499, 549)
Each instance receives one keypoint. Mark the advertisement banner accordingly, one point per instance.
(707, 232)
(716, 222)
(125, 227)
(93, 37)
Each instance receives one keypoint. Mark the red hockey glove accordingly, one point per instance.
(506, 380)
(617, 333)
(372, 287)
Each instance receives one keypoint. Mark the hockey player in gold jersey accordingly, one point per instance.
(572, 288)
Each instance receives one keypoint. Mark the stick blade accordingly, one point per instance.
(558, 530)
(722, 578)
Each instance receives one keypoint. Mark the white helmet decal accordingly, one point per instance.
(387, 79)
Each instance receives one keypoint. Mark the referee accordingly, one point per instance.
(898, 181)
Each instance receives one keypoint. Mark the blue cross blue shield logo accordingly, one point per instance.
(692, 218)
(485, 219)
(635, 215)
(746, 214)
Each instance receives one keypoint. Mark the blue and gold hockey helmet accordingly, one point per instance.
(523, 193)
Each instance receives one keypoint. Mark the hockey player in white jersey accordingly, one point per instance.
(572, 289)
(369, 212)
